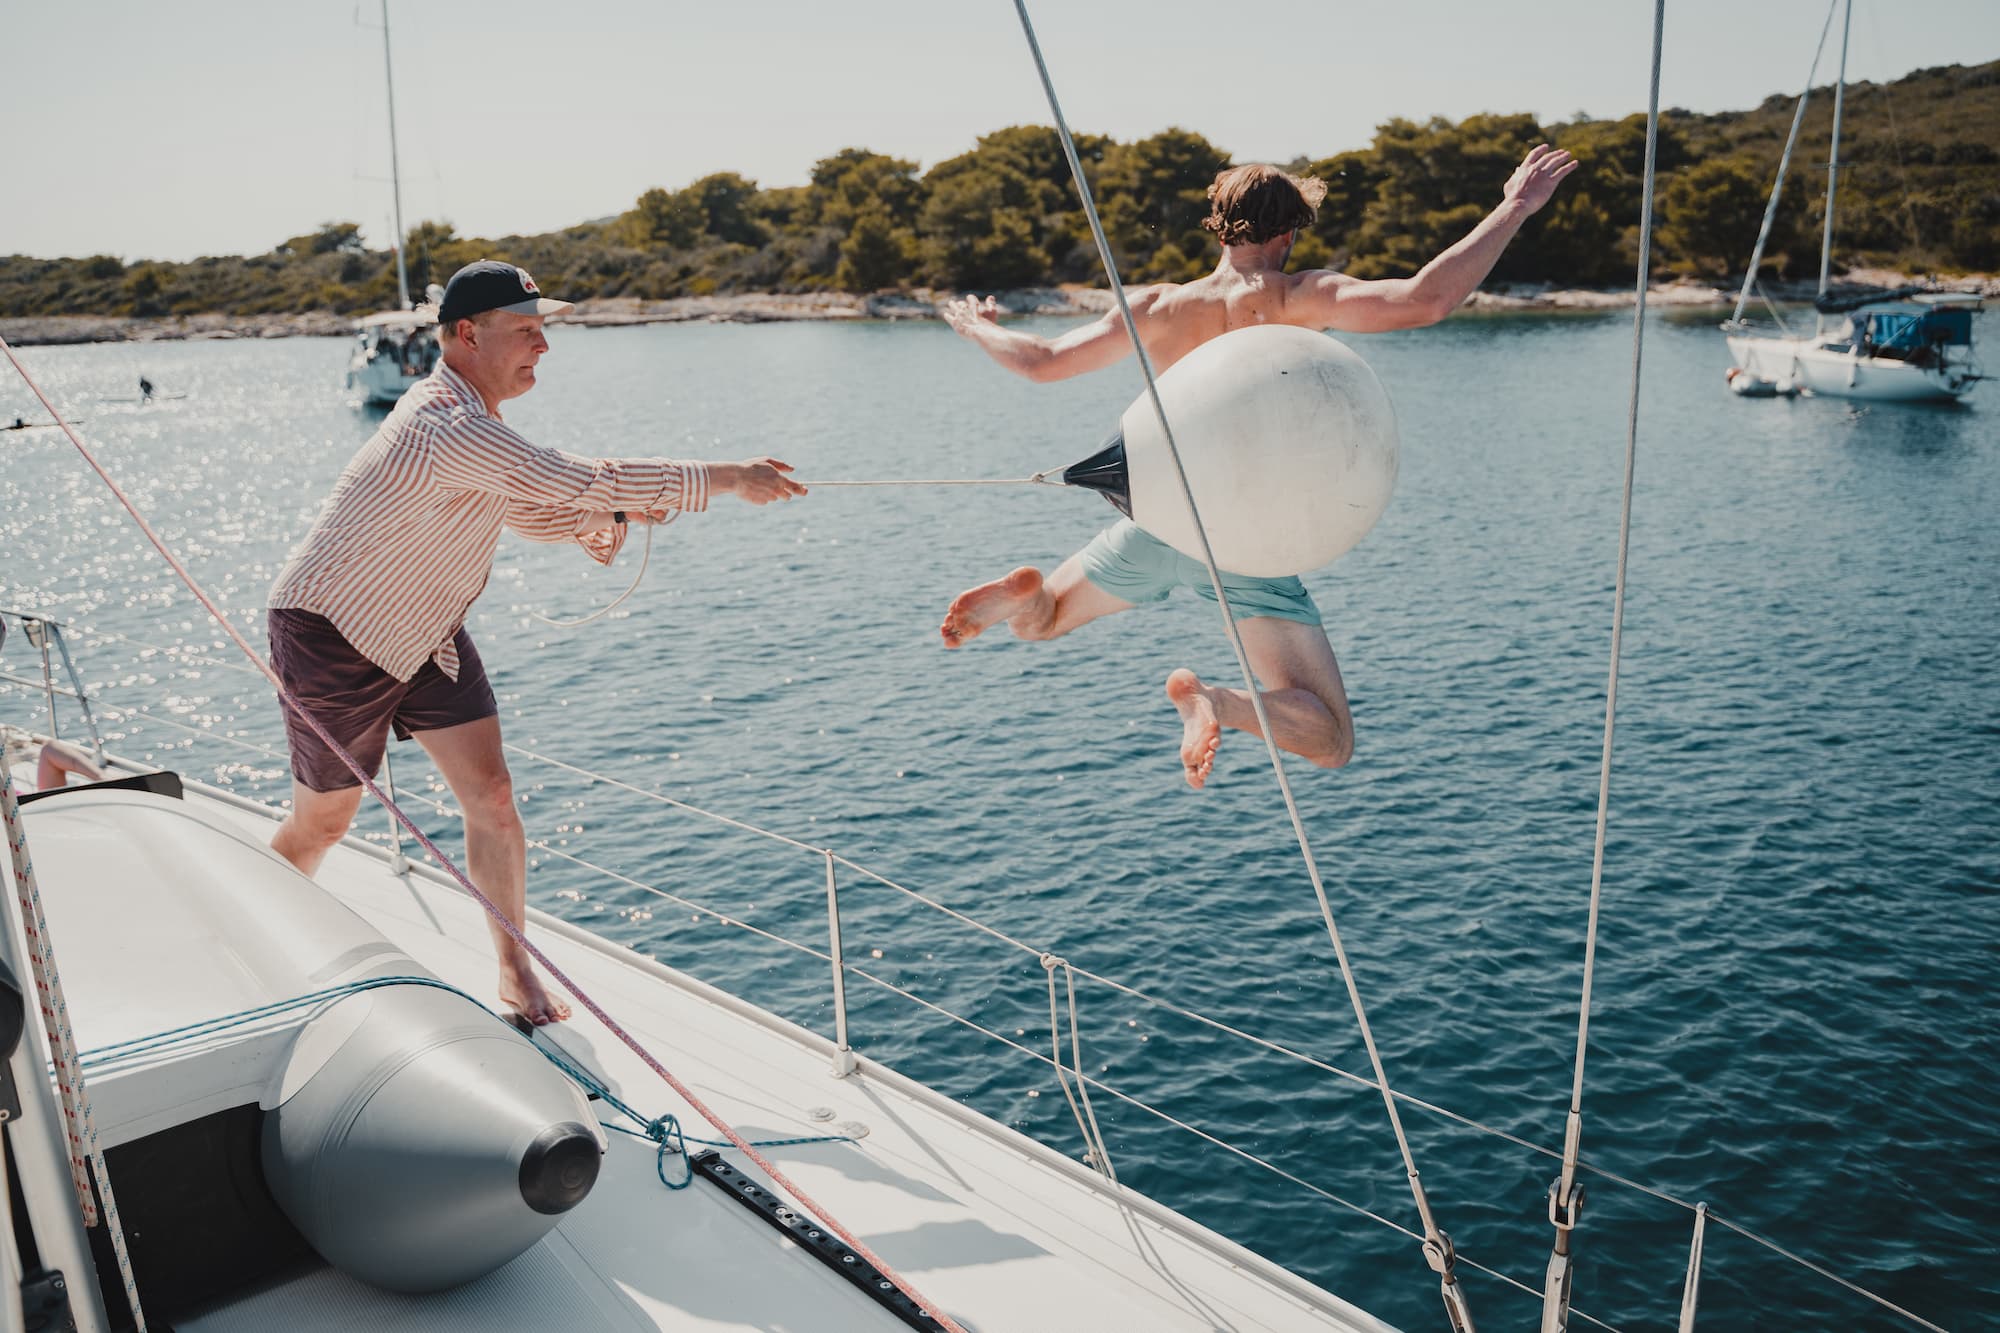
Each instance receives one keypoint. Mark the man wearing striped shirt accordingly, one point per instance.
(367, 619)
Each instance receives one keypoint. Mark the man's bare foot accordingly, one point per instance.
(522, 991)
(1201, 732)
(978, 609)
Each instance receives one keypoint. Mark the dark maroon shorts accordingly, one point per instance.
(358, 702)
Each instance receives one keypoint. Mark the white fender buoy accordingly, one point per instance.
(1289, 443)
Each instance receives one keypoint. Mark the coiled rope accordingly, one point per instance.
(459, 877)
(645, 558)
(1438, 1252)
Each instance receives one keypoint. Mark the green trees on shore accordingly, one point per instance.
(1920, 191)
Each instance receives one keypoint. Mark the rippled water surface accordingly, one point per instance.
(1793, 1015)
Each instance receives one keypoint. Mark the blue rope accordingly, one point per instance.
(210, 1026)
(662, 1130)
(665, 1131)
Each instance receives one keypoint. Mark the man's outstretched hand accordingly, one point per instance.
(965, 313)
(757, 480)
(1535, 180)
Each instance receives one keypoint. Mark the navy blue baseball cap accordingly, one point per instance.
(491, 285)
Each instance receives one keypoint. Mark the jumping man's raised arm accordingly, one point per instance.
(1336, 301)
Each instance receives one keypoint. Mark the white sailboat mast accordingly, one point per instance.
(1832, 154)
(1784, 165)
(396, 171)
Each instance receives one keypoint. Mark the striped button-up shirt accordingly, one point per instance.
(405, 542)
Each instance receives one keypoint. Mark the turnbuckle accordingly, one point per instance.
(1440, 1254)
(1443, 1257)
(1565, 1213)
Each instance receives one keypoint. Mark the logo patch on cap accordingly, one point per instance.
(528, 283)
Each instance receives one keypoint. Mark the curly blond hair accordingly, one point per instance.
(1252, 203)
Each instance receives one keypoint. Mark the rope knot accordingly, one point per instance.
(666, 1131)
(1051, 961)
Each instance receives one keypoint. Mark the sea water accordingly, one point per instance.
(1793, 1015)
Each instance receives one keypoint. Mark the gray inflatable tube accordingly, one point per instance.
(418, 1143)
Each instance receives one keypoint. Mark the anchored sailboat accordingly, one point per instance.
(393, 348)
(1905, 345)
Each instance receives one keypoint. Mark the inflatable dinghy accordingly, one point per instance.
(394, 1126)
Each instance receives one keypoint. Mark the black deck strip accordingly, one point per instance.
(808, 1236)
(162, 783)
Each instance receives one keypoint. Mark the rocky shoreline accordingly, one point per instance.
(760, 308)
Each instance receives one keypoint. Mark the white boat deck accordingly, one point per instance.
(1003, 1233)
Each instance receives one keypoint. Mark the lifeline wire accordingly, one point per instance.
(460, 878)
(980, 926)
(1437, 1246)
(1565, 1200)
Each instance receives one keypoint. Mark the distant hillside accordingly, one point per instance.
(1920, 192)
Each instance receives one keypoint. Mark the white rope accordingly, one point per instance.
(1437, 1246)
(1039, 479)
(78, 1127)
(645, 558)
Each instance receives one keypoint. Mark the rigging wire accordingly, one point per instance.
(1896, 140)
(1438, 1252)
(1778, 185)
(1565, 1196)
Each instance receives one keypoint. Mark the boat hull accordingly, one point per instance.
(380, 381)
(1818, 369)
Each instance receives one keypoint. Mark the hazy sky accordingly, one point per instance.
(170, 130)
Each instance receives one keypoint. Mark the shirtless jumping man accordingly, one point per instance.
(1257, 211)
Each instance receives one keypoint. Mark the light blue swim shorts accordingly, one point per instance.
(1135, 566)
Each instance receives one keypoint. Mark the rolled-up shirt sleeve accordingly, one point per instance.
(478, 453)
(598, 532)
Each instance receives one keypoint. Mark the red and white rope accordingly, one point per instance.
(79, 1130)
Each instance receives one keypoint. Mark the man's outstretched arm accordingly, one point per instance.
(1096, 345)
(1336, 301)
